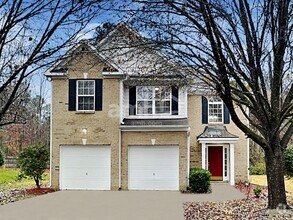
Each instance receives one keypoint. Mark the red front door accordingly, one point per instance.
(215, 158)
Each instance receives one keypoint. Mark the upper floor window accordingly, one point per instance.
(153, 100)
(215, 110)
(85, 95)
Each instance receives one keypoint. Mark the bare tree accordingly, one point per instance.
(33, 34)
(243, 50)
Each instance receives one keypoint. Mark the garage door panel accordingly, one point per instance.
(85, 167)
(153, 168)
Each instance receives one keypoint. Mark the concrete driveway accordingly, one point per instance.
(111, 205)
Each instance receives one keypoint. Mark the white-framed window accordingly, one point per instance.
(153, 100)
(225, 160)
(85, 95)
(215, 110)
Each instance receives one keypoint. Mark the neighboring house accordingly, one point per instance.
(128, 118)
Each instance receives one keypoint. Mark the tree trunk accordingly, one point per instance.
(37, 181)
(275, 178)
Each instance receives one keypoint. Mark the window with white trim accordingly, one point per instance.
(153, 100)
(85, 95)
(215, 110)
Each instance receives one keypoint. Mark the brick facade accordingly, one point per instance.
(103, 127)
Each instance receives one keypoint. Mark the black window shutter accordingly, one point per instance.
(99, 94)
(226, 115)
(132, 100)
(72, 95)
(175, 101)
(204, 107)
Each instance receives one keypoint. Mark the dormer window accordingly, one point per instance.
(215, 110)
(153, 100)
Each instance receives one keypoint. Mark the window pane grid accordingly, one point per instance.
(153, 100)
(86, 95)
(215, 110)
(225, 162)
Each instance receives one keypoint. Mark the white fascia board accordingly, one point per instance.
(113, 74)
(218, 140)
(48, 72)
(152, 128)
(156, 117)
(64, 75)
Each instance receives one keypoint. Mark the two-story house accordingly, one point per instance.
(125, 117)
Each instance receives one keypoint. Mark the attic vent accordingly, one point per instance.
(82, 48)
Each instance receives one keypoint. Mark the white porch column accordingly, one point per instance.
(203, 155)
(232, 164)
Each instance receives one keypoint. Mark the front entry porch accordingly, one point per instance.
(217, 146)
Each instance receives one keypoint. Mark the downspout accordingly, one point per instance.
(121, 96)
(248, 150)
(188, 155)
(51, 138)
(119, 161)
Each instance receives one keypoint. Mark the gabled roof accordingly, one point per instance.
(137, 56)
(123, 50)
(60, 68)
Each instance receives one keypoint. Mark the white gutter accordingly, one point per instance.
(154, 128)
(218, 140)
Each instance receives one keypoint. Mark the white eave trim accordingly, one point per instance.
(118, 74)
(218, 140)
(56, 76)
(154, 128)
(152, 117)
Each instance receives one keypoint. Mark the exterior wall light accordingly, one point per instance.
(84, 130)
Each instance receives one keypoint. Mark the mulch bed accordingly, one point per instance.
(251, 208)
(39, 191)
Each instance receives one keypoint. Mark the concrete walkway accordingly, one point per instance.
(111, 205)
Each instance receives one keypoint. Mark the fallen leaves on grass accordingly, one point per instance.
(236, 209)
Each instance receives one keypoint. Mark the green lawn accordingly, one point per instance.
(8, 179)
(262, 180)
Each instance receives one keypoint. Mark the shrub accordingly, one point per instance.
(257, 191)
(199, 180)
(33, 162)
(288, 161)
(1, 159)
(258, 169)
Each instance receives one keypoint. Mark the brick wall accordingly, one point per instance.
(102, 126)
(196, 128)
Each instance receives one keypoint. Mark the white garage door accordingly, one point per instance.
(85, 167)
(153, 168)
